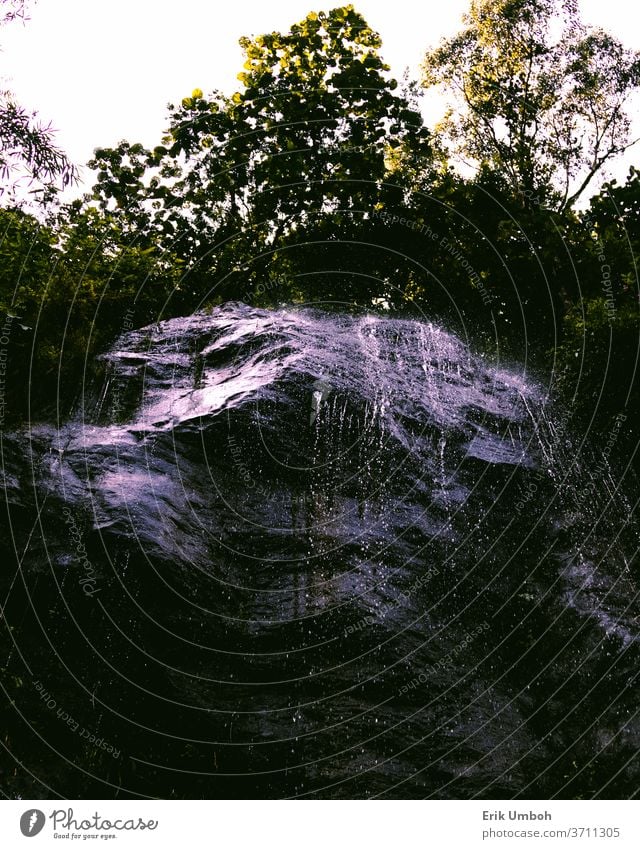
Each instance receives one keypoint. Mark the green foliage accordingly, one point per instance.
(543, 97)
(598, 358)
(614, 215)
(68, 286)
(301, 154)
(26, 255)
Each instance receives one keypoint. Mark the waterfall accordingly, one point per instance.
(331, 555)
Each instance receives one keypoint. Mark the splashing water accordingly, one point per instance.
(333, 556)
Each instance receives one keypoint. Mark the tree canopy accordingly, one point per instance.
(537, 95)
(300, 153)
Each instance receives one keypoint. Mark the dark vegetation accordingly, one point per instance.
(318, 181)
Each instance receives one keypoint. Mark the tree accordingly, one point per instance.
(242, 185)
(538, 96)
(27, 150)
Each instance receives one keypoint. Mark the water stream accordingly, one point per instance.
(299, 554)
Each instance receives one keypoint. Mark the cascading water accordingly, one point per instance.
(294, 553)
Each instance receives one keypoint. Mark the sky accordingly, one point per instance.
(105, 71)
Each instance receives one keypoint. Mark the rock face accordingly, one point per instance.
(289, 553)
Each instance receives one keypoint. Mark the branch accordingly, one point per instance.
(613, 151)
(23, 142)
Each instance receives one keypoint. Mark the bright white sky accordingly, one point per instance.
(104, 70)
